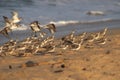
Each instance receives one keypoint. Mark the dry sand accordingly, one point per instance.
(102, 62)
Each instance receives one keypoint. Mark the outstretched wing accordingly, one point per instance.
(51, 28)
(4, 32)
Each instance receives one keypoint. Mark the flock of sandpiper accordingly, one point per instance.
(39, 44)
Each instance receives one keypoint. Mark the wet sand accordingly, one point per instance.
(101, 62)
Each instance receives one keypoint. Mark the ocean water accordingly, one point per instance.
(67, 15)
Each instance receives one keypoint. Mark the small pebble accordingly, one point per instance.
(10, 67)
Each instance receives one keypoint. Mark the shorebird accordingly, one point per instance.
(97, 36)
(5, 31)
(104, 32)
(26, 41)
(100, 35)
(70, 37)
(66, 44)
(35, 27)
(15, 17)
(31, 49)
(22, 47)
(90, 38)
(42, 44)
(82, 35)
(14, 25)
(51, 38)
(76, 46)
(9, 23)
(11, 51)
(50, 48)
(48, 40)
(12, 42)
(65, 47)
(42, 34)
(101, 41)
(79, 37)
(1, 49)
(51, 28)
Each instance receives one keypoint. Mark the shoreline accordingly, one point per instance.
(65, 29)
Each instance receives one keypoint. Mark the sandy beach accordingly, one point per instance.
(99, 62)
(83, 42)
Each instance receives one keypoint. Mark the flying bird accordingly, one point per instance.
(5, 31)
(51, 28)
(15, 17)
(35, 27)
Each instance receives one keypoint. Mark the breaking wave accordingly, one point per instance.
(64, 23)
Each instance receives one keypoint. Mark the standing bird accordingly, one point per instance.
(35, 27)
(50, 49)
(42, 34)
(77, 46)
(100, 41)
(101, 34)
(104, 32)
(82, 35)
(71, 36)
(51, 28)
(15, 17)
